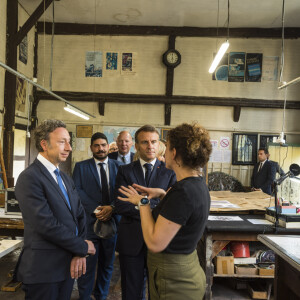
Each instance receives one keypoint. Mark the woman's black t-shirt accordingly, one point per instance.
(187, 204)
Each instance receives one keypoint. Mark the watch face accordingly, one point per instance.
(172, 57)
(144, 200)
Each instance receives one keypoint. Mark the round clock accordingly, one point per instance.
(172, 58)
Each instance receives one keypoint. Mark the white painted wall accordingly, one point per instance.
(191, 78)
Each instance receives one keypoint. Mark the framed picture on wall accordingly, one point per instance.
(164, 133)
(244, 149)
(265, 139)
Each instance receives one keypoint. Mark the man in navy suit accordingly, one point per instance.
(263, 173)
(95, 180)
(147, 171)
(54, 220)
(124, 143)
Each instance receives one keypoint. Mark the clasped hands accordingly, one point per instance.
(103, 213)
(78, 264)
(132, 195)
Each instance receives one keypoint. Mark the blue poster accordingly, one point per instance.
(236, 68)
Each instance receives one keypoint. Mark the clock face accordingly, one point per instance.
(172, 57)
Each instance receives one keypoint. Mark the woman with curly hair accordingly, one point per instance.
(174, 227)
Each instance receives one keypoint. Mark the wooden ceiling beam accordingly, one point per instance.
(155, 99)
(91, 29)
(31, 21)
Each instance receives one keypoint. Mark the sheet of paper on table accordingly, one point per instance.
(224, 218)
(289, 244)
(260, 222)
(222, 204)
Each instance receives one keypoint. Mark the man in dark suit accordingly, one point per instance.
(95, 180)
(124, 143)
(54, 220)
(263, 173)
(147, 171)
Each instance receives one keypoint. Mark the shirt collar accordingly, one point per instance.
(127, 156)
(142, 162)
(105, 161)
(46, 163)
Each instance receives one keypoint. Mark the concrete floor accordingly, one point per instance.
(222, 288)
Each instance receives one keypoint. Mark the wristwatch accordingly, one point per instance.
(144, 201)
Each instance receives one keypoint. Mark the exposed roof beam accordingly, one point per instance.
(31, 21)
(150, 99)
(90, 29)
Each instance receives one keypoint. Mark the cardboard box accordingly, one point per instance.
(256, 291)
(246, 270)
(265, 271)
(224, 264)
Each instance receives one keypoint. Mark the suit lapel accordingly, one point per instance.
(138, 173)
(92, 166)
(155, 173)
(112, 176)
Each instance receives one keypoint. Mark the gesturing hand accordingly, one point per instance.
(150, 192)
(131, 194)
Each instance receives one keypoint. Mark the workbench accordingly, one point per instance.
(219, 233)
(11, 225)
(287, 264)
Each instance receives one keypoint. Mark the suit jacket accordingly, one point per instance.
(87, 182)
(50, 239)
(114, 155)
(130, 238)
(264, 178)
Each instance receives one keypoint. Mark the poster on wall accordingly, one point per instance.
(93, 64)
(23, 50)
(111, 61)
(253, 67)
(20, 95)
(221, 72)
(270, 68)
(236, 68)
(128, 63)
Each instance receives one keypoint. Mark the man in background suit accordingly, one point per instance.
(95, 180)
(124, 143)
(147, 171)
(54, 220)
(263, 173)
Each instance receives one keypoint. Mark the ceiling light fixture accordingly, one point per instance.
(222, 49)
(71, 109)
(20, 75)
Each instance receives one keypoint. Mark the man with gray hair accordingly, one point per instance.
(54, 220)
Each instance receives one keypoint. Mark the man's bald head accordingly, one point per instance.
(124, 142)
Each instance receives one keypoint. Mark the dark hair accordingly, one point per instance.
(44, 129)
(98, 135)
(264, 149)
(192, 144)
(145, 128)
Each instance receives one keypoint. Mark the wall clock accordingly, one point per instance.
(172, 58)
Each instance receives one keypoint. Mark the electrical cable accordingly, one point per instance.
(52, 41)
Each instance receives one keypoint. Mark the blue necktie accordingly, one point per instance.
(148, 173)
(63, 189)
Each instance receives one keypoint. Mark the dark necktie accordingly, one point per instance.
(260, 166)
(63, 189)
(104, 184)
(123, 159)
(148, 168)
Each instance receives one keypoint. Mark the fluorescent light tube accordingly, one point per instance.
(76, 112)
(219, 56)
(286, 84)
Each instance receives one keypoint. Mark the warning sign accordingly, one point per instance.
(224, 142)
